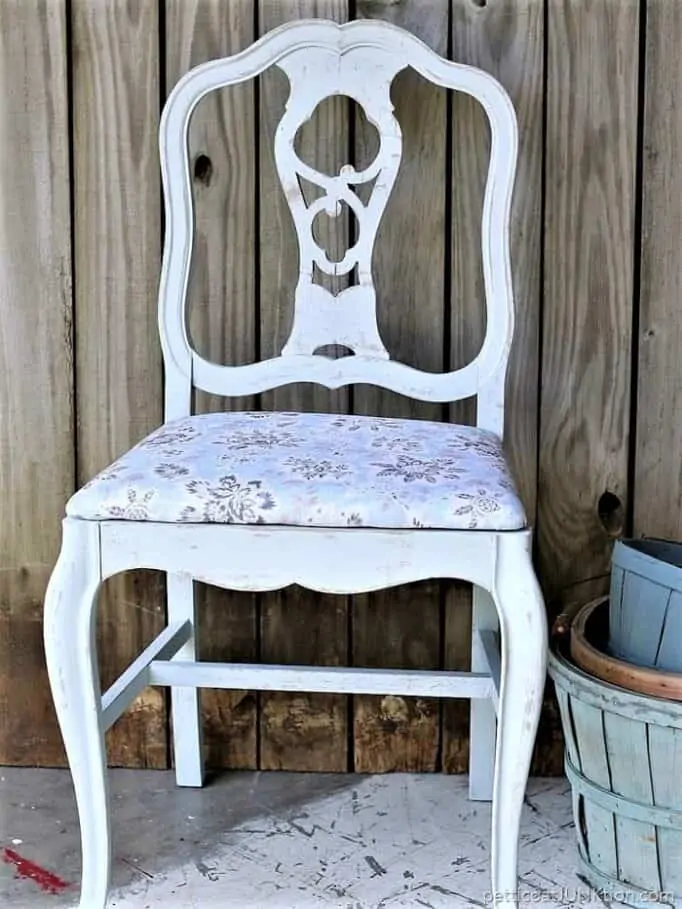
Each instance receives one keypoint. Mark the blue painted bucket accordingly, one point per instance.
(645, 605)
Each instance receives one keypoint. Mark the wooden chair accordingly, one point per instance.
(338, 504)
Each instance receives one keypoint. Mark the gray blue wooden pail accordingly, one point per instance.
(645, 605)
(624, 763)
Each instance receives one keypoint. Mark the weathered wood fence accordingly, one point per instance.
(595, 415)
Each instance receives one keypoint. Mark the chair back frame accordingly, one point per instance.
(322, 59)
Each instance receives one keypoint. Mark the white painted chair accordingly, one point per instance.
(337, 504)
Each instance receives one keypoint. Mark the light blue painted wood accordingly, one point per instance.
(657, 815)
(665, 749)
(573, 756)
(645, 607)
(624, 763)
(657, 559)
(671, 637)
(599, 822)
(636, 897)
(642, 614)
(627, 749)
(567, 724)
(615, 597)
(583, 687)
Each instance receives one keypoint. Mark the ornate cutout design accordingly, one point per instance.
(349, 318)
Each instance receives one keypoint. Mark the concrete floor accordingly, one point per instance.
(282, 841)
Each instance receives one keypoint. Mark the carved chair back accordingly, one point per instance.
(359, 60)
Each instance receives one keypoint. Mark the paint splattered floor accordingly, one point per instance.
(282, 841)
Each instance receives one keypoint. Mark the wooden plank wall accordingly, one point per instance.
(36, 360)
(595, 386)
(118, 384)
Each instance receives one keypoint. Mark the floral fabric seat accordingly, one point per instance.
(306, 469)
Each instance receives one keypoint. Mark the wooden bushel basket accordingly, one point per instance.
(645, 612)
(624, 763)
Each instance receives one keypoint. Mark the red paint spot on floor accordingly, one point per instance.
(48, 882)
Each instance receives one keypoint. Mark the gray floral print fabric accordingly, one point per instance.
(317, 470)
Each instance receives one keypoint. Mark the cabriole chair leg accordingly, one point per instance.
(523, 626)
(70, 649)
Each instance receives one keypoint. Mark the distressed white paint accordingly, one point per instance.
(483, 719)
(491, 648)
(350, 317)
(345, 560)
(358, 59)
(322, 679)
(185, 702)
(246, 558)
(71, 655)
(137, 676)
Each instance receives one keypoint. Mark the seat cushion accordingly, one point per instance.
(316, 470)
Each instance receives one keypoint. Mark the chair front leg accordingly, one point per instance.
(70, 648)
(523, 625)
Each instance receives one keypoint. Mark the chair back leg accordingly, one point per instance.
(483, 720)
(185, 702)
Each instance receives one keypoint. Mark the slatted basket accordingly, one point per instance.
(624, 763)
(645, 611)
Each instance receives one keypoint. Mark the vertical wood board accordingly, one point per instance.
(117, 231)
(36, 361)
(590, 156)
(657, 481)
(506, 40)
(222, 314)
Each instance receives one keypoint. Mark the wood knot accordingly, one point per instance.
(611, 513)
(394, 709)
(203, 169)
